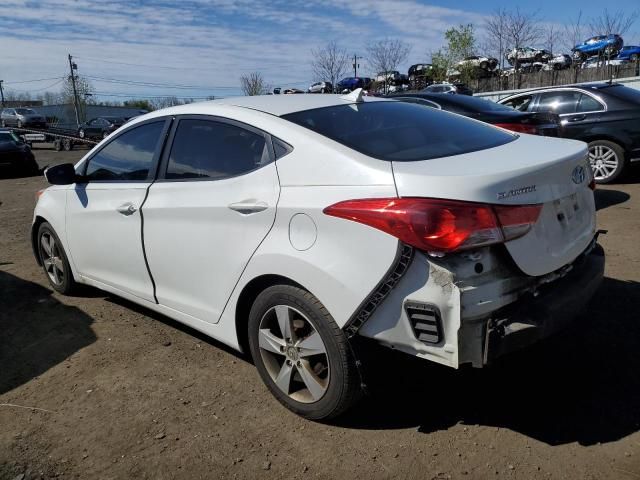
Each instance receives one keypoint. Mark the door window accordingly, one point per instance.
(208, 149)
(589, 104)
(521, 103)
(559, 102)
(128, 157)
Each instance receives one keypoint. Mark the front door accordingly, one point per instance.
(213, 204)
(104, 223)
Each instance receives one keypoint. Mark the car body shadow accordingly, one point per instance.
(38, 332)
(580, 386)
(609, 198)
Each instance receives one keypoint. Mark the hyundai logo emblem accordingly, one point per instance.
(578, 175)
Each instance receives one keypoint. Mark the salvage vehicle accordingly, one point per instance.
(285, 225)
(100, 127)
(16, 157)
(483, 63)
(522, 55)
(546, 124)
(321, 87)
(605, 115)
(559, 62)
(629, 52)
(608, 45)
(22, 117)
(349, 84)
(420, 70)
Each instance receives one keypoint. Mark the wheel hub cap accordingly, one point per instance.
(294, 354)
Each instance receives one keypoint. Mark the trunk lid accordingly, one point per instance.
(529, 170)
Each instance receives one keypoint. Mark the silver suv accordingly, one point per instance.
(22, 117)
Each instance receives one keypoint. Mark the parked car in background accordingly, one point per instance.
(522, 55)
(606, 116)
(608, 45)
(16, 158)
(22, 117)
(459, 88)
(629, 52)
(290, 91)
(558, 62)
(321, 87)
(100, 127)
(393, 76)
(351, 83)
(299, 222)
(546, 124)
(483, 63)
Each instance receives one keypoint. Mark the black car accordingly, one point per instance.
(605, 115)
(15, 155)
(100, 127)
(487, 111)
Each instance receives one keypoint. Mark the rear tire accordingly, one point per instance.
(54, 260)
(301, 354)
(607, 161)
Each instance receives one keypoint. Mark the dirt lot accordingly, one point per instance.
(120, 392)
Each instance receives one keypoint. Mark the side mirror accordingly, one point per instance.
(63, 174)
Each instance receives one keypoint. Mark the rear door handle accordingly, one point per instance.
(577, 118)
(127, 209)
(248, 207)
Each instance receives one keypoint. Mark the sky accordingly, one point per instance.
(198, 48)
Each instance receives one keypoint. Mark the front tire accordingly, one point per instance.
(607, 160)
(54, 260)
(301, 354)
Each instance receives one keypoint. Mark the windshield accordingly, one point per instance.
(475, 104)
(25, 111)
(398, 131)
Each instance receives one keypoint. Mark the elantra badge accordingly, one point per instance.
(516, 191)
(578, 175)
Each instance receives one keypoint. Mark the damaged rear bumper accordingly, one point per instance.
(555, 306)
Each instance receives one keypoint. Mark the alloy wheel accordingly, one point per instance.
(52, 258)
(604, 161)
(294, 354)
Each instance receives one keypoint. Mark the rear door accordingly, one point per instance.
(578, 111)
(104, 223)
(213, 204)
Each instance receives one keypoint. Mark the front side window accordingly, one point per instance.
(559, 102)
(206, 149)
(128, 157)
(399, 131)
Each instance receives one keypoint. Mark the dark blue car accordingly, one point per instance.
(351, 83)
(600, 44)
(630, 52)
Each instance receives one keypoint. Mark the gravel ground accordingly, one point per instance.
(93, 386)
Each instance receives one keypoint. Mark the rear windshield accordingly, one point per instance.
(473, 104)
(623, 93)
(398, 131)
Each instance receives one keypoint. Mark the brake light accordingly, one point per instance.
(438, 225)
(519, 127)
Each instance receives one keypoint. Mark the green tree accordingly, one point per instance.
(461, 43)
(140, 104)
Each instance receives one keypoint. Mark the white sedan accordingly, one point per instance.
(284, 226)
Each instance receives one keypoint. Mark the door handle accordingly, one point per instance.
(577, 118)
(247, 207)
(127, 209)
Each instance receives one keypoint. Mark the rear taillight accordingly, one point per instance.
(519, 127)
(440, 225)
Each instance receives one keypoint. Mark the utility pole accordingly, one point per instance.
(2, 93)
(355, 65)
(72, 67)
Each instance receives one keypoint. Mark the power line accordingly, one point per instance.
(39, 89)
(35, 80)
(141, 95)
(157, 85)
(98, 60)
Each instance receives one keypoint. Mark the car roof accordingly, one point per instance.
(284, 104)
(584, 86)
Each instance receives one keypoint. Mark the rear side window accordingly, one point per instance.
(398, 131)
(128, 157)
(559, 102)
(589, 104)
(206, 149)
